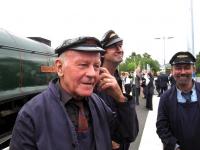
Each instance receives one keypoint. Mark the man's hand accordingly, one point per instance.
(109, 84)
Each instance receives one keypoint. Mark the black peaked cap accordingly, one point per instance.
(182, 58)
(110, 38)
(83, 43)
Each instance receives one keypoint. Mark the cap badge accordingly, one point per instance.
(113, 34)
(90, 42)
(182, 56)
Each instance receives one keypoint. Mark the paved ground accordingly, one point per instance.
(150, 139)
(142, 113)
(147, 137)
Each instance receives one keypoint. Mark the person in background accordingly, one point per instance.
(122, 77)
(163, 82)
(137, 85)
(171, 80)
(127, 83)
(68, 115)
(144, 83)
(149, 91)
(178, 118)
(157, 84)
(111, 58)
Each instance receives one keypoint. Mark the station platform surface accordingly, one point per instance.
(150, 139)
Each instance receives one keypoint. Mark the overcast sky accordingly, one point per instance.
(138, 22)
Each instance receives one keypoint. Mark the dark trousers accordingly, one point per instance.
(137, 95)
(149, 104)
(145, 91)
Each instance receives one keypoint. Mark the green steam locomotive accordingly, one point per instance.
(26, 67)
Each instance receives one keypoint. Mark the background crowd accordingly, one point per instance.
(145, 83)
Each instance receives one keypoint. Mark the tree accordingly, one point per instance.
(135, 60)
(198, 63)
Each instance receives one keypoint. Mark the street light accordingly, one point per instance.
(192, 27)
(164, 38)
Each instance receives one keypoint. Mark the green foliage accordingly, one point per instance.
(136, 60)
(198, 63)
(198, 75)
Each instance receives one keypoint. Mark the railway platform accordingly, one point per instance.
(150, 139)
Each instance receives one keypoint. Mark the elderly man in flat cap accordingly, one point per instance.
(178, 120)
(111, 58)
(68, 115)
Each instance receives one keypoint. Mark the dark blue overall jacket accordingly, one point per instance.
(179, 123)
(43, 123)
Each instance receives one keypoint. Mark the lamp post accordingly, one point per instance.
(164, 38)
(192, 27)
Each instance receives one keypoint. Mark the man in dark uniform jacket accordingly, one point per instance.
(178, 120)
(150, 91)
(68, 115)
(111, 58)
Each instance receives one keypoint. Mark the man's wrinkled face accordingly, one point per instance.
(114, 53)
(183, 73)
(78, 72)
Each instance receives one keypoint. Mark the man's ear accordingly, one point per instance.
(59, 65)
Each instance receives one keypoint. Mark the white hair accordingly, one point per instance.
(63, 57)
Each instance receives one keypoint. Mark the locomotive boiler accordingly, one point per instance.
(26, 67)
